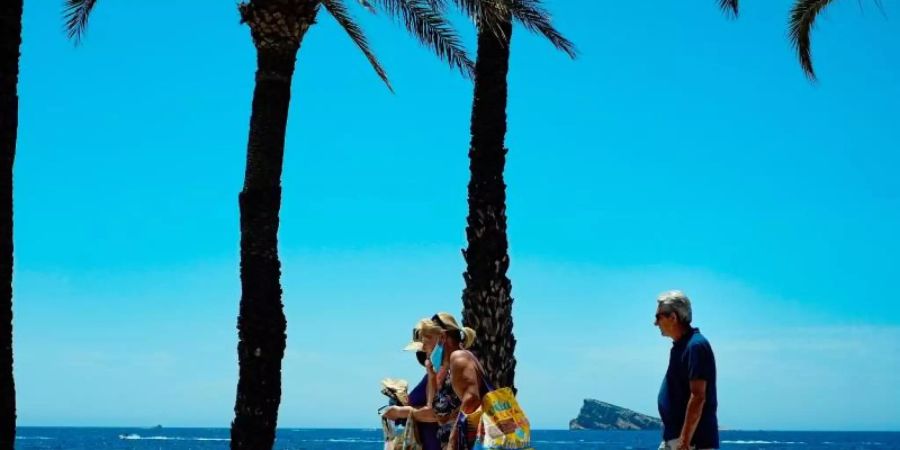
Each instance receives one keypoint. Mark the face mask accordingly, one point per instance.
(437, 357)
(421, 356)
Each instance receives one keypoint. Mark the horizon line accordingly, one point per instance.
(159, 427)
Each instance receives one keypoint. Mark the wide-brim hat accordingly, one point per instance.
(414, 346)
(397, 389)
(419, 348)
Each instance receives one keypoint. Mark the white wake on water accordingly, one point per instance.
(137, 437)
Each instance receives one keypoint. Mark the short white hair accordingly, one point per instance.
(678, 303)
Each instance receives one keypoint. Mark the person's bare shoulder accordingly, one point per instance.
(461, 359)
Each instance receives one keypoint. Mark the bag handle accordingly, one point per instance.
(388, 428)
(409, 432)
(484, 378)
(480, 368)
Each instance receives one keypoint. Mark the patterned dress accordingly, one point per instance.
(445, 404)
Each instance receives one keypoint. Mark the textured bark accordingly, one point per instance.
(10, 41)
(487, 301)
(277, 28)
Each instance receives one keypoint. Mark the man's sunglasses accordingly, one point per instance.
(663, 314)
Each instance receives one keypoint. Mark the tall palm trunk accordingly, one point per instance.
(277, 27)
(10, 41)
(487, 304)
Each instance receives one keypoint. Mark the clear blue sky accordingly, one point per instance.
(681, 150)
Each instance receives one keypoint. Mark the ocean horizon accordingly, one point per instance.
(189, 438)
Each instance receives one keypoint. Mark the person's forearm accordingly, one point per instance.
(424, 414)
(692, 418)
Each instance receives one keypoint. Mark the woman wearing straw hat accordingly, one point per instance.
(455, 382)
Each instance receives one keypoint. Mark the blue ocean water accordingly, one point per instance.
(41, 438)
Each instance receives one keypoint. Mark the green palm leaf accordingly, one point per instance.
(803, 18)
(339, 11)
(75, 15)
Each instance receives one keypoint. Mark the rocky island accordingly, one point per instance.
(597, 415)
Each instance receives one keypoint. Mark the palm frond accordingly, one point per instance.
(729, 6)
(339, 11)
(532, 15)
(75, 15)
(803, 18)
(425, 20)
(438, 5)
(366, 4)
(486, 14)
(473, 9)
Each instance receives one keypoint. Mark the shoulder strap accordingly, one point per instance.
(484, 379)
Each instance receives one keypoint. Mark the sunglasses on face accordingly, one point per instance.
(662, 314)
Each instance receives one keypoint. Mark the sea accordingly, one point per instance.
(46, 438)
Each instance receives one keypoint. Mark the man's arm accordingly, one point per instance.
(694, 410)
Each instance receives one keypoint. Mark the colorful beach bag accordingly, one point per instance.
(504, 425)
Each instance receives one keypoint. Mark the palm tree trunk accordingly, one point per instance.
(277, 28)
(10, 41)
(487, 304)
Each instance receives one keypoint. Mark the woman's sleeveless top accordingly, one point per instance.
(444, 404)
(447, 403)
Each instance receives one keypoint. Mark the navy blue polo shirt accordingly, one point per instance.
(691, 358)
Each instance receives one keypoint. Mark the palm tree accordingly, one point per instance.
(487, 303)
(10, 41)
(277, 28)
(487, 300)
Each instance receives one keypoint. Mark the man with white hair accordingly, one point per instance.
(687, 398)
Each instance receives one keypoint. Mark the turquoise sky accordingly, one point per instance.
(681, 150)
